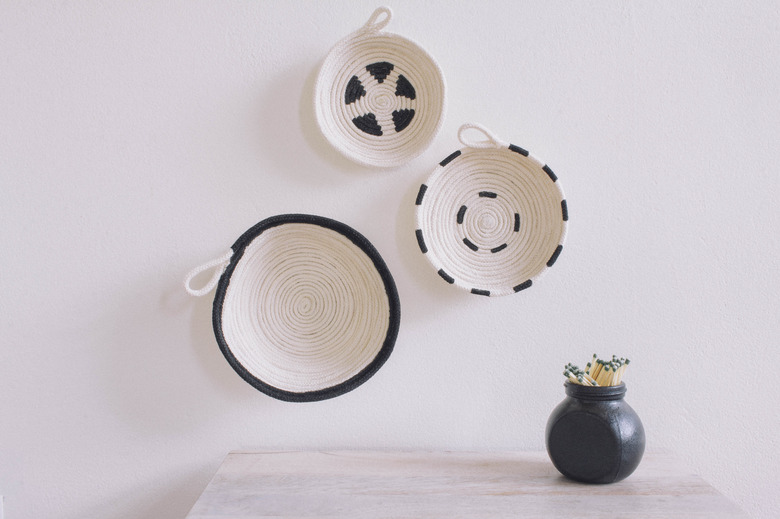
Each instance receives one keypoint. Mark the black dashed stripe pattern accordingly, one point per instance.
(518, 149)
(470, 244)
(421, 194)
(461, 214)
(516, 223)
(450, 158)
(421, 241)
(554, 256)
(550, 173)
(446, 277)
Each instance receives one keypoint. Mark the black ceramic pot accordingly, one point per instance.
(594, 436)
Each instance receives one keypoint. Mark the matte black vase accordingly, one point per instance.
(594, 436)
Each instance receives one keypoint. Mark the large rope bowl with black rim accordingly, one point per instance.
(491, 218)
(305, 307)
(379, 97)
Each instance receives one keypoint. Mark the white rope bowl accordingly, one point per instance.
(305, 307)
(491, 218)
(379, 97)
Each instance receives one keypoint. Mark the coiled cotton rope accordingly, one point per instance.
(379, 97)
(306, 308)
(491, 218)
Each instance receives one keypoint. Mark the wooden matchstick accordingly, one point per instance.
(597, 369)
(604, 375)
(590, 379)
(598, 372)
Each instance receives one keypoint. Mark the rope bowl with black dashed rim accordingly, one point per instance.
(491, 218)
(379, 97)
(305, 307)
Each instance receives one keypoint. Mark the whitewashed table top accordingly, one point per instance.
(376, 485)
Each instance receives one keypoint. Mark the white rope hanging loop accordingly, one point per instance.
(491, 218)
(376, 22)
(379, 97)
(306, 309)
(217, 264)
(491, 140)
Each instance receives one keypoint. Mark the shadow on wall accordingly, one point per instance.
(312, 134)
(288, 145)
(417, 266)
(164, 380)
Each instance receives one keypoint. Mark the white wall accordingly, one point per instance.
(139, 139)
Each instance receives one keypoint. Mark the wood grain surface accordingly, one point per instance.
(366, 484)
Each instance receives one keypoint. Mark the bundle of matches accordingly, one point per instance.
(598, 372)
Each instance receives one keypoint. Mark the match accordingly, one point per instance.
(598, 372)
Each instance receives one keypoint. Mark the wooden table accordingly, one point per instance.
(426, 485)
